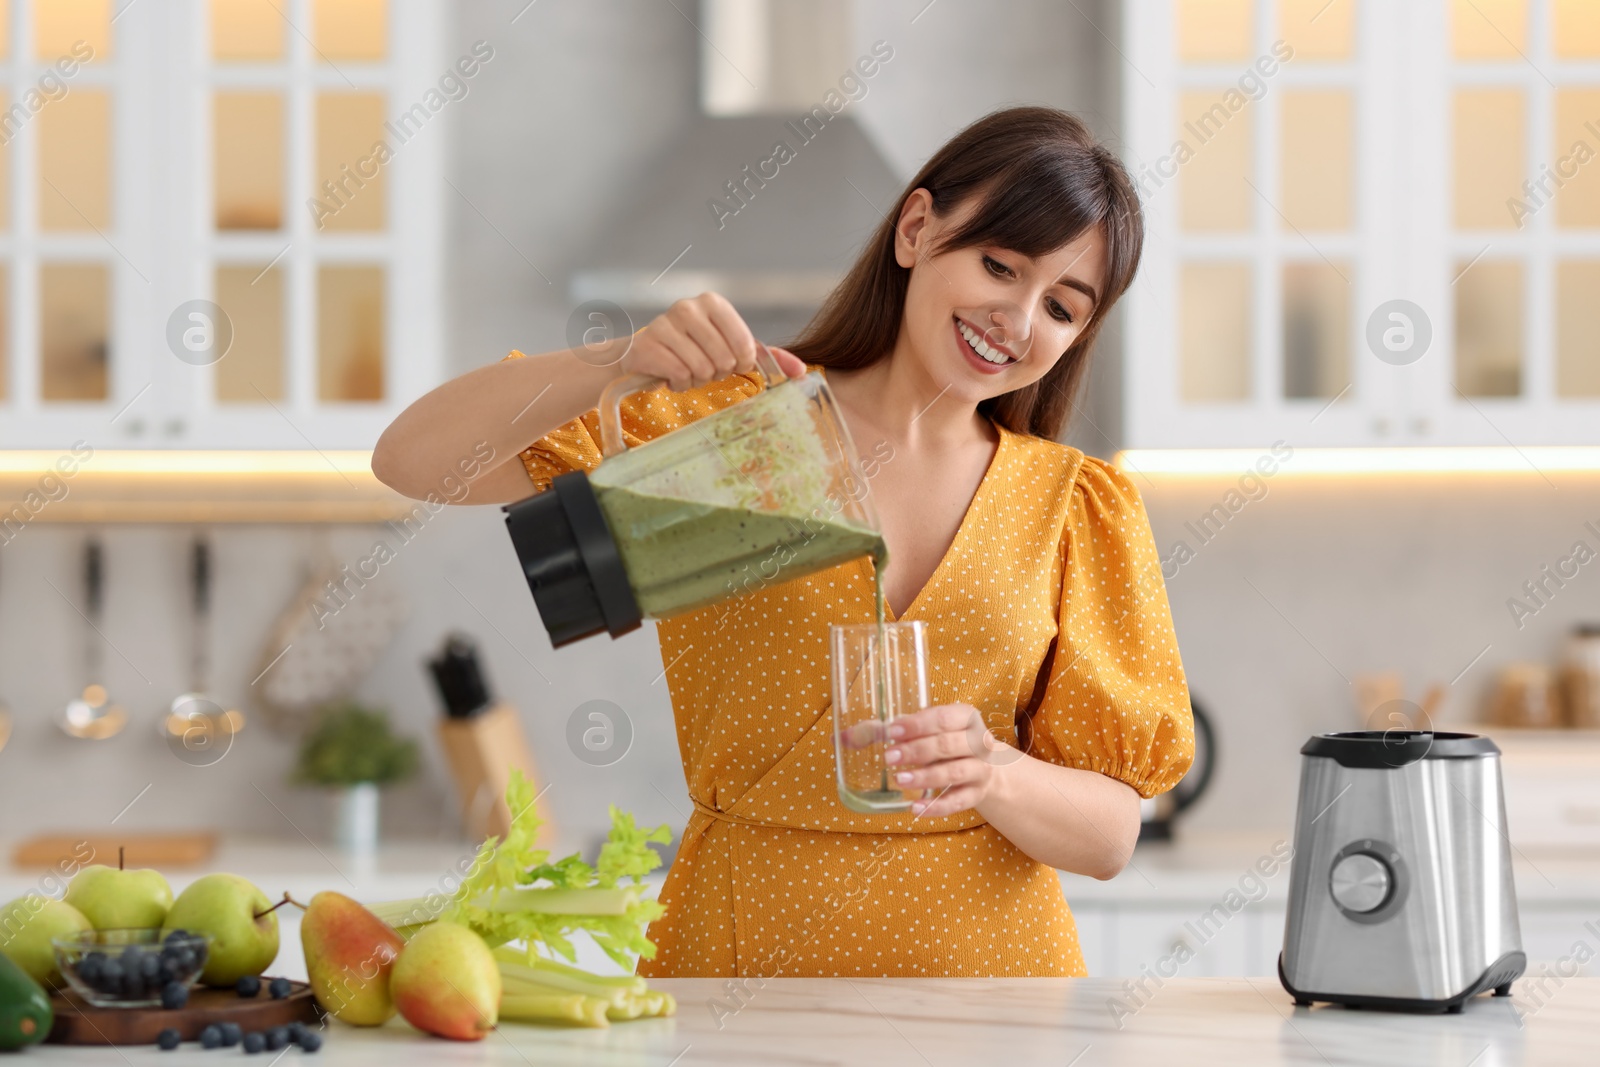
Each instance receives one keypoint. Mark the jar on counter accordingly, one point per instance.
(1525, 698)
(1580, 677)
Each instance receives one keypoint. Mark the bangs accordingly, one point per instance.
(1035, 206)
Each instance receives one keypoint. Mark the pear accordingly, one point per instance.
(112, 898)
(446, 982)
(27, 925)
(240, 920)
(349, 954)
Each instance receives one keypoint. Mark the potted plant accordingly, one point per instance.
(352, 751)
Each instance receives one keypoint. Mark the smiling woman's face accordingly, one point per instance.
(985, 320)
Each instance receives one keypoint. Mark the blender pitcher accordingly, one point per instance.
(765, 490)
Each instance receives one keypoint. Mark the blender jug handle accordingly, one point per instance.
(610, 405)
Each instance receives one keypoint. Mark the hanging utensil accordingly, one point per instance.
(92, 716)
(329, 638)
(196, 724)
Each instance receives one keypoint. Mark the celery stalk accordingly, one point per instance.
(416, 911)
(615, 901)
(629, 1007)
(528, 977)
(516, 983)
(573, 1008)
(552, 972)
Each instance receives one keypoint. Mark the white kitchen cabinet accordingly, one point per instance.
(187, 159)
(1564, 942)
(1095, 937)
(1303, 165)
(1130, 941)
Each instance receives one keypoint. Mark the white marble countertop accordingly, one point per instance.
(961, 1022)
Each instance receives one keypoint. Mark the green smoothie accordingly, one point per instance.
(684, 554)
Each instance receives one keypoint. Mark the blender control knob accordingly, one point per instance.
(1360, 882)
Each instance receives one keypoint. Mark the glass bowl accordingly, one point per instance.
(129, 968)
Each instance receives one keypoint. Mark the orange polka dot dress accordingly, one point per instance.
(1049, 600)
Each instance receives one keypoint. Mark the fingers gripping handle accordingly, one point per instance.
(610, 406)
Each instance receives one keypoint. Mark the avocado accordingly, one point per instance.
(25, 1015)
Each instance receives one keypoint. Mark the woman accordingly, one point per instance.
(954, 346)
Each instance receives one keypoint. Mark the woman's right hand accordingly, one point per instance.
(699, 340)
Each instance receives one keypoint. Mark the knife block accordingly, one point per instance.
(482, 750)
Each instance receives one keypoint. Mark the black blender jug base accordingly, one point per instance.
(571, 562)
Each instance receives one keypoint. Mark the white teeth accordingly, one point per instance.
(978, 345)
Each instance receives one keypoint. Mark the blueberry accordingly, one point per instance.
(89, 969)
(169, 1039)
(150, 966)
(174, 995)
(97, 956)
(277, 1038)
(254, 1042)
(248, 986)
(175, 935)
(170, 970)
(279, 988)
(310, 1040)
(211, 1036)
(133, 986)
(232, 1034)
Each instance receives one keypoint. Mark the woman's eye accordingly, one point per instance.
(996, 267)
(1059, 313)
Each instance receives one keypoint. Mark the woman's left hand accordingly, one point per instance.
(949, 750)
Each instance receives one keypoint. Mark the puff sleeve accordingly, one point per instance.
(1116, 700)
(575, 445)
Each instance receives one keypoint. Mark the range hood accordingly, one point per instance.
(768, 195)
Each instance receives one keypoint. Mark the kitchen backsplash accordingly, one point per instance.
(1314, 583)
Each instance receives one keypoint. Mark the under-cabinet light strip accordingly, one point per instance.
(1408, 460)
(180, 462)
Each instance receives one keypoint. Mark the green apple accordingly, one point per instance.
(112, 898)
(240, 920)
(26, 926)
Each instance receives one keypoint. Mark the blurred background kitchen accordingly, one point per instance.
(1357, 382)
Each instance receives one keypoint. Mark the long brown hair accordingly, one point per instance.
(1045, 180)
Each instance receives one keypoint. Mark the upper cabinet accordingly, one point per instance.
(1367, 223)
(219, 221)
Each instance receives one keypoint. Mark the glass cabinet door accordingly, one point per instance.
(1248, 119)
(1368, 223)
(1522, 245)
(72, 257)
(206, 221)
(299, 236)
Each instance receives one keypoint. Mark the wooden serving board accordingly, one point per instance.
(140, 850)
(80, 1023)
